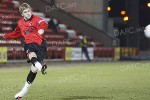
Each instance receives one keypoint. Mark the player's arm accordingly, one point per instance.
(41, 26)
(15, 34)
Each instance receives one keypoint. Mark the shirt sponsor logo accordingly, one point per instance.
(28, 31)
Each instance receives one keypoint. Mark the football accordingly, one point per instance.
(147, 31)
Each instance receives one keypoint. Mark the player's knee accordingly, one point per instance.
(34, 60)
(31, 55)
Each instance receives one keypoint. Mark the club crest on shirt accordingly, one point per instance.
(30, 24)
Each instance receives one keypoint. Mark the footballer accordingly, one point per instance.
(31, 28)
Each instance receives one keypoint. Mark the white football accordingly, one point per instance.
(147, 31)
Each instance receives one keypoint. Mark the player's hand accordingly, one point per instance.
(41, 31)
(4, 36)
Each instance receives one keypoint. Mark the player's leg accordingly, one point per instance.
(36, 66)
(31, 50)
(41, 51)
(30, 78)
(34, 60)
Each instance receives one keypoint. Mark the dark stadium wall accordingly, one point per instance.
(90, 11)
(133, 13)
(73, 22)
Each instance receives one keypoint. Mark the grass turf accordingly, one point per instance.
(89, 81)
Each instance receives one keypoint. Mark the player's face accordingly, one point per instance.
(27, 13)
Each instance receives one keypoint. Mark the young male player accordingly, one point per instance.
(32, 29)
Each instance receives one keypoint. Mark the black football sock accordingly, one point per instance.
(31, 76)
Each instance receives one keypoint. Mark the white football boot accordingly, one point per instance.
(23, 91)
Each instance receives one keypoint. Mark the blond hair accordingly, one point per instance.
(23, 6)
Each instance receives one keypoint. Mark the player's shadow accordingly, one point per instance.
(83, 97)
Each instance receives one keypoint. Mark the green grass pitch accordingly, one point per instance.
(81, 81)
